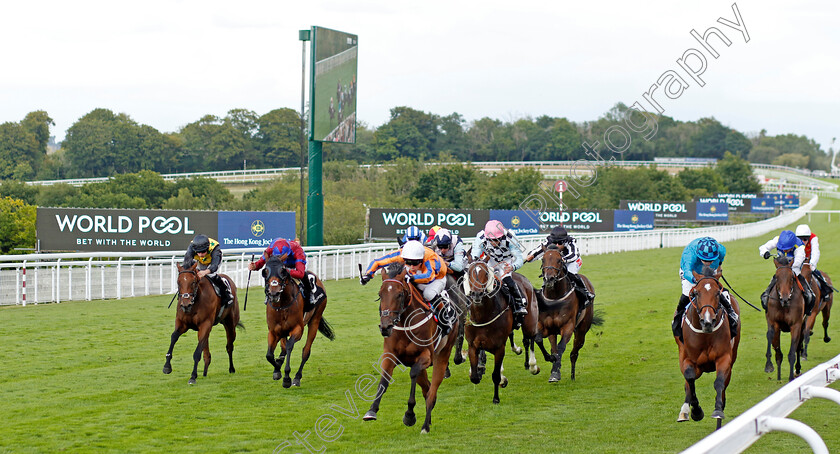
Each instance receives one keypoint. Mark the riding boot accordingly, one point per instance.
(809, 295)
(676, 325)
(224, 290)
(730, 313)
(441, 315)
(307, 291)
(519, 302)
(766, 295)
(581, 288)
(825, 289)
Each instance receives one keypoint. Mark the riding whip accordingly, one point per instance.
(736, 293)
(248, 285)
(173, 300)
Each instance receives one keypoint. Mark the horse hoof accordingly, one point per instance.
(232, 370)
(555, 377)
(683, 416)
(277, 376)
(167, 369)
(296, 382)
(424, 430)
(717, 414)
(459, 360)
(535, 370)
(475, 379)
(518, 350)
(503, 383)
(287, 383)
(409, 419)
(192, 381)
(447, 374)
(826, 339)
(496, 401)
(803, 356)
(369, 416)
(768, 368)
(697, 413)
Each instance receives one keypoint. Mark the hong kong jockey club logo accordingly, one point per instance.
(514, 221)
(257, 228)
(763, 203)
(634, 219)
(712, 208)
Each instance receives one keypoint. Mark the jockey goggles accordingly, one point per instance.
(413, 262)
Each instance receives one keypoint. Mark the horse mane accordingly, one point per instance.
(552, 247)
(783, 260)
(394, 269)
(708, 271)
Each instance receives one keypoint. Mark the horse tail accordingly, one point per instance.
(597, 317)
(326, 329)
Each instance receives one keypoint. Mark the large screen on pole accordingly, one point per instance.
(333, 92)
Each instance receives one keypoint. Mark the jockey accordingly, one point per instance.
(812, 256)
(412, 233)
(424, 269)
(505, 256)
(294, 261)
(431, 237)
(794, 249)
(450, 248)
(699, 253)
(208, 254)
(560, 237)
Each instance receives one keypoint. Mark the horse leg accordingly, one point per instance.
(230, 331)
(472, 353)
(560, 348)
(539, 341)
(768, 366)
(806, 338)
(272, 344)
(691, 376)
(431, 397)
(387, 367)
(777, 339)
(459, 343)
(290, 344)
(826, 312)
(203, 335)
(206, 356)
(499, 356)
(513, 346)
(179, 329)
(420, 366)
(311, 332)
(724, 369)
(482, 363)
(580, 338)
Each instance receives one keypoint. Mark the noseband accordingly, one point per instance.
(477, 296)
(554, 279)
(699, 310)
(273, 298)
(192, 294)
(794, 283)
(397, 315)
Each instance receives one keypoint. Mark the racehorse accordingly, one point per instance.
(823, 305)
(286, 317)
(413, 339)
(456, 294)
(785, 312)
(707, 344)
(198, 309)
(560, 314)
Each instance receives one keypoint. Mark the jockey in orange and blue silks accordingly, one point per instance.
(793, 249)
(697, 255)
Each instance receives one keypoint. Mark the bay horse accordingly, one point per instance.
(286, 318)
(198, 309)
(823, 304)
(559, 314)
(785, 313)
(412, 338)
(490, 323)
(707, 344)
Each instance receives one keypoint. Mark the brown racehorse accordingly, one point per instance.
(707, 344)
(198, 307)
(785, 313)
(285, 316)
(491, 323)
(413, 338)
(823, 305)
(560, 315)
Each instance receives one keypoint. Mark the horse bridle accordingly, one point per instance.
(403, 306)
(793, 285)
(553, 280)
(694, 297)
(475, 296)
(283, 277)
(192, 294)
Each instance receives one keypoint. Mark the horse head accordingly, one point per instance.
(553, 269)
(479, 281)
(276, 279)
(187, 287)
(394, 297)
(705, 298)
(785, 280)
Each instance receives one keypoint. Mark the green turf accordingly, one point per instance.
(86, 376)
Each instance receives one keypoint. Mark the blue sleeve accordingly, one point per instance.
(722, 252)
(687, 262)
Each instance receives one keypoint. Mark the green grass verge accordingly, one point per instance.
(86, 376)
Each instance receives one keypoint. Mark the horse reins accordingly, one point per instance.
(412, 294)
(193, 293)
(718, 311)
(282, 287)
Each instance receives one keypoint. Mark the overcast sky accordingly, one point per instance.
(168, 63)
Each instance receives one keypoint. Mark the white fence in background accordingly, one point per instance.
(771, 414)
(38, 278)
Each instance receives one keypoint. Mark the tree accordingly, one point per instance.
(737, 174)
(704, 182)
(19, 155)
(445, 185)
(279, 138)
(17, 225)
(792, 160)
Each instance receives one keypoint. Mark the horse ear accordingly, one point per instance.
(265, 272)
(697, 276)
(194, 266)
(180, 267)
(718, 273)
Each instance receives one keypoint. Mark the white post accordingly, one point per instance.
(119, 278)
(23, 290)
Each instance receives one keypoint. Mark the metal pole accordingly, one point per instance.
(304, 37)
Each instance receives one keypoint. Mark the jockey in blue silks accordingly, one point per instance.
(789, 245)
(700, 253)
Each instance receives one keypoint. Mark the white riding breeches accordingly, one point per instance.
(432, 289)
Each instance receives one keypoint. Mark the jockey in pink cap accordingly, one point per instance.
(504, 254)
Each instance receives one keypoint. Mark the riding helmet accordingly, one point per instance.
(414, 234)
(413, 250)
(201, 243)
(707, 249)
(558, 235)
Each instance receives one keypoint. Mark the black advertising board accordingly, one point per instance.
(392, 222)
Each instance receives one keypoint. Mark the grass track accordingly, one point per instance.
(86, 376)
